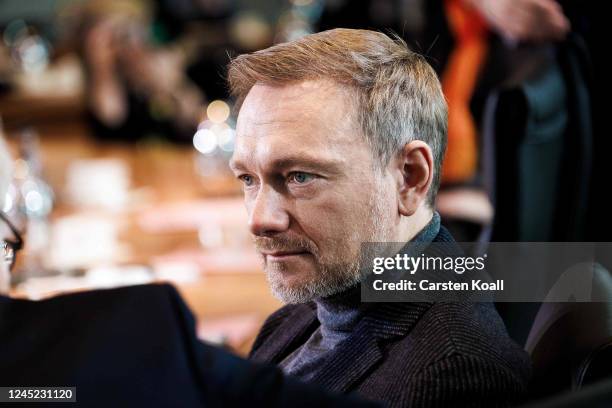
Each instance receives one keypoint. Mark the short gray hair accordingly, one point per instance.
(399, 95)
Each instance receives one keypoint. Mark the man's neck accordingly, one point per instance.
(411, 226)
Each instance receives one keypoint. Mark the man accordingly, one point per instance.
(340, 138)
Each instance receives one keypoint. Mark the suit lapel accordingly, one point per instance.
(354, 357)
(349, 362)
(292, 333)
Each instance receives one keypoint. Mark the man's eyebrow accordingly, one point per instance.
(236, 165)
(306, 162)
(301, 161)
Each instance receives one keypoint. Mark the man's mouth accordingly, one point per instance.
(283, 255)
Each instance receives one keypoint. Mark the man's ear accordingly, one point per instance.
(414, 169)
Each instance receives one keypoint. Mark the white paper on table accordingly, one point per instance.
(193, 215)
(83, 241)
(98, 183)
(102, 277)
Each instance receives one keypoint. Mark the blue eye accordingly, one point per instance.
(246, 179)
(301, 177)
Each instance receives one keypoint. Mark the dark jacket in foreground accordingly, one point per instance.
(437, 354)
(135, 347)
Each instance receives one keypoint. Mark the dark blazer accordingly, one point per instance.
(135, 347)
(411, 354)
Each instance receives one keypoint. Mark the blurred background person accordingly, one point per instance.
(135, 87)
(150, 65)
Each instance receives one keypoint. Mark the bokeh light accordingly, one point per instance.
(218, 111)
(205, 141)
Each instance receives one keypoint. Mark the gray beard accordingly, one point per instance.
(331, 280)
(333, 277)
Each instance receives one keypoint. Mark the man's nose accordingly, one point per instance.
(268, 215)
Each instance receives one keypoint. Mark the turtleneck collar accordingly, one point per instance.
(339, 313)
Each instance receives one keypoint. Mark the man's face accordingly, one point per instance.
(310, 187)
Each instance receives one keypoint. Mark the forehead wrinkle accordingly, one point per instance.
(254, 152)
(279, 101)
(290, 116)
(263, 156)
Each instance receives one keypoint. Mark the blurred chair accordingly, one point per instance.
(570, 343)
(593, 396)
(537, 136)
(536, 155)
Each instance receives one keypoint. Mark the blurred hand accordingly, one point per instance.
(107, 98)
(525, 20)
(155, 70)
(100, 49)
(160, 73)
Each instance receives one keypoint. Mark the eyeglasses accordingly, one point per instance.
(10, 247)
